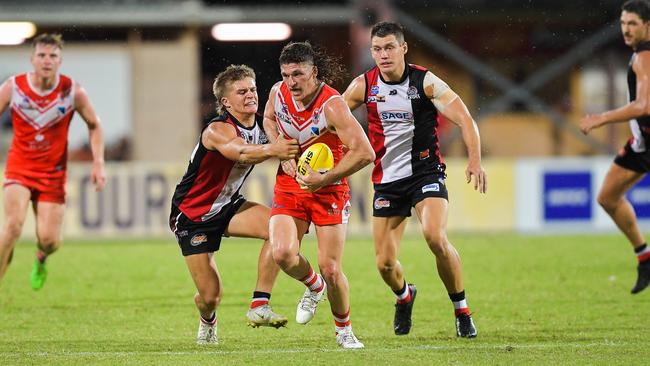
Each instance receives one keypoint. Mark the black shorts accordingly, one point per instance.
(396, 198)
(202, 237)
(631, 160)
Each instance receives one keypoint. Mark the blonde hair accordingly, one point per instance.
(225, 78)
(47, 38)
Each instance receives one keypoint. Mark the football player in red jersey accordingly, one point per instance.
(42, 103)
(304, 107)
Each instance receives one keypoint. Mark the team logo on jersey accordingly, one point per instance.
(198, 239)
(392, 92)
(283, 117)
(381, 202)
(263, 139)
(433, 187)
(285, 109)
(315, 131)
(65, 92)
(381, 98)
(25, 104)
(424, 154)
(374, 90)
(316, 115)
(248, 138)
(412, 93)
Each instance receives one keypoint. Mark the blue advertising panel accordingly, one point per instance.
(567, 196)
(639, 196)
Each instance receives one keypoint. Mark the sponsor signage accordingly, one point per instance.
(639, 196)
(567, 195)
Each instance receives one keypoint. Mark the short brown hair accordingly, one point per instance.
(228, 76)
(47, 38)
(385, 29)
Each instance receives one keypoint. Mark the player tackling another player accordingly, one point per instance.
(207, 204)
(42, 104)
(403, 102)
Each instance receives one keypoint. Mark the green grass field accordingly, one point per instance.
(536, 300)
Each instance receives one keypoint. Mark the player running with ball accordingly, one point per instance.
(305, 108)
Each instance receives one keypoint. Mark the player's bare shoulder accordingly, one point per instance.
(641, 64)
(338, 113)
(275, 89)
(216, 134)
(6, 89)
(354, 95)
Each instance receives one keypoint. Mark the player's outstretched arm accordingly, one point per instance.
(355, 93)
(5, 95)
(451, 106)
(636, 108)
(223, 137)
(96, 136)
(359, 152)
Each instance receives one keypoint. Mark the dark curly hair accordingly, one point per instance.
(330, 68)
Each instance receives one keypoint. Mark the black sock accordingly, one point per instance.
(260, 294)
(457, 297)
(209, 321)
(400, 291)
(641, 248)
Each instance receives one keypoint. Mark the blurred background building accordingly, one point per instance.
(527, 71)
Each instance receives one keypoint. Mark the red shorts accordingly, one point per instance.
(329, 208)
(42, 189)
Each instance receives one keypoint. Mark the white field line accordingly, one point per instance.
(307, 350)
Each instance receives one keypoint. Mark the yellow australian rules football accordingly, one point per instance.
(318, 156)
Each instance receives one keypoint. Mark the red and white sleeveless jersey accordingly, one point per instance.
(40, 122)
(308, 126)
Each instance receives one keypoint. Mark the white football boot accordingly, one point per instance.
(307, 305)
(207, 333)
(264, 316)
(346, 339)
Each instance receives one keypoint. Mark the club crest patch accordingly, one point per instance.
(412, 93)
(381, 202)
(198, 239)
